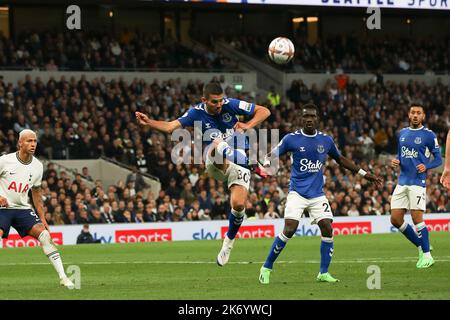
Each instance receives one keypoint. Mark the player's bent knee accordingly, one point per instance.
(328, 232)
(396, 221)
(290, 227)
(326, 228)
(47, 243)
(289, 232)
(36, 230)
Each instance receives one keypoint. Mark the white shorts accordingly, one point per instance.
(409, 198)
(235, 174)
(319, 208)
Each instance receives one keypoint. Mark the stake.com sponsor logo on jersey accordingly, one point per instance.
(143, 235)
(14, 240)
(259, 231)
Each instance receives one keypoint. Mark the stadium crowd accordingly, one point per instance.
(90, 51)
(352, 54)
(135, 49)
(80, 119)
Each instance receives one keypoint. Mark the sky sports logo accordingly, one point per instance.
(143, 235)
(15, 241)
(347, 228)
(245, 232)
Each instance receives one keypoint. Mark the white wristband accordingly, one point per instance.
(361, 172)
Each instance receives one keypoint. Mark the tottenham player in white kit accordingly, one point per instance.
(309, 150)
(20, 171)
(415, 146)
(217, 115)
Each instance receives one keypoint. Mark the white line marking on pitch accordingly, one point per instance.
(358, 261)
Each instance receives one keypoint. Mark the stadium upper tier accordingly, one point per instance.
(102, 51)
(354, 55)
(144, 51)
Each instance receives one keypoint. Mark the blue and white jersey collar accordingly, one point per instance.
(416, 129)
(308, 135)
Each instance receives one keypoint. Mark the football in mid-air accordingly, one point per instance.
(281, 50)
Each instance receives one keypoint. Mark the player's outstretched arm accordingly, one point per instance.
(445, 178)
(163, 126)
(261, 114)
(350, 165)
(39, 205)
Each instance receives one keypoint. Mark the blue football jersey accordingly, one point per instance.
(415, 147)
(308, 155)
(221, 124)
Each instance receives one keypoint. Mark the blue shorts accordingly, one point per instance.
(20, 219)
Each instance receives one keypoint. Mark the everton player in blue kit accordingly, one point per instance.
(309, 149)
(415, 146)
(218, 118)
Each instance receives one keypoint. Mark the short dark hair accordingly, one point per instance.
(417, 104)
(310, 106)
(212, 88)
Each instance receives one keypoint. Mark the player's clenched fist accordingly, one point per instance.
(3, 202)
(142, 118)
(241, 127)
(421, 168)
(395, 163)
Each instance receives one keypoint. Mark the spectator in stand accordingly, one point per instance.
(205, 200)
(341, 79)
(107, 212)
(271, 213)
(127, 217)
(187, 194)
(71, 218)
(173, 191)
(273, 97)
(150, 213)
(141, 161)
(96, 216)
(83, 216)
(86, 175)
(51, 66)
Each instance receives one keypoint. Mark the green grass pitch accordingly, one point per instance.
(187, 270)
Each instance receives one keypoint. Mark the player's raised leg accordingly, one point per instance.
(290, 226)
(326, 250)
(238, 196)
(39, 232)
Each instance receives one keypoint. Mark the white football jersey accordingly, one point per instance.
(17, 178)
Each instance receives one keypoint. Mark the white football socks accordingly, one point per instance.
(52, 253)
